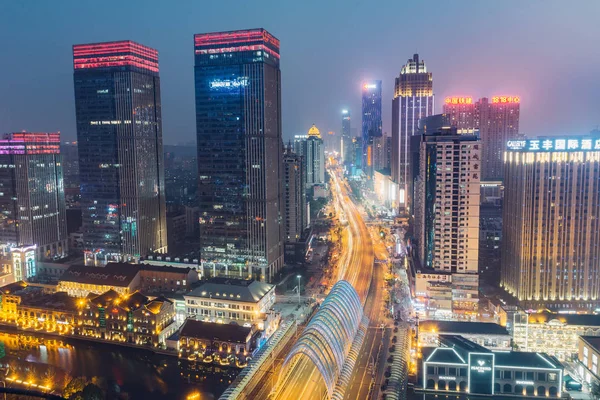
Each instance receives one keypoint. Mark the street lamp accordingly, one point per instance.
(299, 276)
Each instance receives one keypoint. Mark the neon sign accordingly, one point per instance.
(505, 99)
(227, 83)
(572, 144)
(370, 86)
(459, 100)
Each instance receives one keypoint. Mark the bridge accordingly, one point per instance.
(328, 337)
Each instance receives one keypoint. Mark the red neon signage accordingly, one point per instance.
(459, 100)
(505, 99)
(115, 54)
(235, 37)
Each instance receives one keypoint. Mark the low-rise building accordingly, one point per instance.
(588, 354)
(227, 300)
(164, 278)
(486, 334)
(132, 318)
(80, 280)
(459, 365)
(555, 334)
(195, 335)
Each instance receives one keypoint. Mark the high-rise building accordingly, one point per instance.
(294, 194)
(240, 163)
(346, 139)
(550, 227)
(310, 147)
(447, 208)
(32, 197)
(70, 162)
(381, 153)
(371, 122)
(119, 136)
(413, 100)
(497, 121)
(462, 113)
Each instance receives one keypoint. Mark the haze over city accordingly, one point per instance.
(474, 48)
(178, 219)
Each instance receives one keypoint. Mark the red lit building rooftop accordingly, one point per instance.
(30, 143)
(123, 53)
(237, 41)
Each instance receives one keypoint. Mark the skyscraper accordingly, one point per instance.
(447, 207)
(497, 121)
(346, 139)
(462, 113)
(294, 196)
(240, 168)
(32, 196)
(371, 122)
(413, 100)
(119, 135)
(551, 230)
(310, 147)
(70, 163)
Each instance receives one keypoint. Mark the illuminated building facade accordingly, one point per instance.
(551, 230)
(119, 136)
(555, 334)
(460, 365)
(371, 122)
(447, 212)
(311, 148)
(413, 100)
(242, 302)
(32, 195)
(346, 139)
(240, 168)
(496, 119)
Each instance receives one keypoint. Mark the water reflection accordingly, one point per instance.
(138, 373)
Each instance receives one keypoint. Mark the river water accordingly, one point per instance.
(137, 373)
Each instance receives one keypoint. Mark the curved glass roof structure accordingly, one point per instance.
(327, 339)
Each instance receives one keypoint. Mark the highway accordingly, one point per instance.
(356, 266)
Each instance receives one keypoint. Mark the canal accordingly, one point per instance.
(127, 373)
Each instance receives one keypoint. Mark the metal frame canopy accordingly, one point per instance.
(328, 337)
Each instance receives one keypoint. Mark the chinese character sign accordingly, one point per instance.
(505, 99)
(573, 144)
(459, 100)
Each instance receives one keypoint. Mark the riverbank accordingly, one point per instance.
(15, 329)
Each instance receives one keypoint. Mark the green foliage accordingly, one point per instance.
(74, 386)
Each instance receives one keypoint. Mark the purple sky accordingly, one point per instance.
(545, 51)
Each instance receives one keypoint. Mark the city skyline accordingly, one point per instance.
(337, 84)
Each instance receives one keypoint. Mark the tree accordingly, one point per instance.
(74, 386)
(92, 392)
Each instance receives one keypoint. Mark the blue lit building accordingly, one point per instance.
(119, 136)
(371, 122)
(240, 168)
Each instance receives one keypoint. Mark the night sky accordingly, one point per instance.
(547, 52)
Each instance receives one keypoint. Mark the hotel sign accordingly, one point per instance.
(559, 144)
(228, 83)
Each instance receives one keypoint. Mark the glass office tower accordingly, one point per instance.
(238, 122)
(119, 134)
(32, 194)
(413, 100)
(371, 122)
